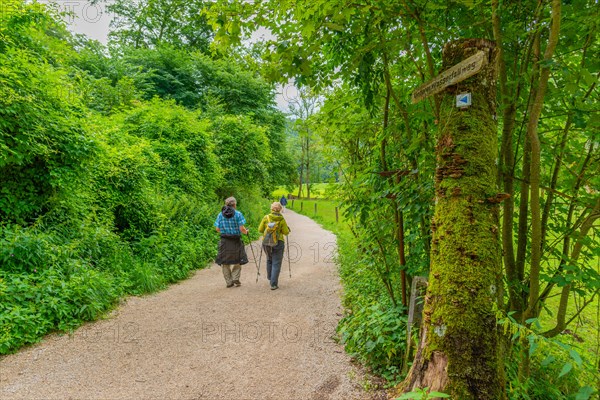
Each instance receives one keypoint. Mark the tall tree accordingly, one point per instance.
(302, 108)
(460, 341)
(151, 23)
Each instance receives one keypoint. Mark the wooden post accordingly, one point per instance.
(415, 314)
(315, 208)
(292, 203)
(337, 215)
(301, 205)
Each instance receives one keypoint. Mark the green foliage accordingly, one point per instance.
(281, 168)
(151, 23)
(423, 394)
(182, 142)
(165, 72)
(42, 145)
(561, 368)
(243, 152)
(222, 89)
(108, 182)
(36, 303)
(376, 335)
(373, 330)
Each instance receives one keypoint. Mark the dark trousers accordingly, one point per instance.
(274, 261)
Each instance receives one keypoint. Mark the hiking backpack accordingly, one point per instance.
(270, 239)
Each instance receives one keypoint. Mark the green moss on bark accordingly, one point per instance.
(465, 257)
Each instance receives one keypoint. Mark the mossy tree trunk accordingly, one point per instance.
(460, 350)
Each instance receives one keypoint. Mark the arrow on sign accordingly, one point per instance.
(463, 100)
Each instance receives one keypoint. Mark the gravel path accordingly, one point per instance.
(200, 340)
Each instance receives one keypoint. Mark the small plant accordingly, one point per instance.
(423, 394)
(376, 335)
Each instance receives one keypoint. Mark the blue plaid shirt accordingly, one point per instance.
(230, 226)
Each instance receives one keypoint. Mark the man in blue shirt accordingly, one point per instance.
(232, 255)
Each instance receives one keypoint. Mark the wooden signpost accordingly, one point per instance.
(451, 76)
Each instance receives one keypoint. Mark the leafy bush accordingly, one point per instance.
(103, 194)
(243, 150)
(35, 304)
(376, 336)
(42, 145)
(560, 368)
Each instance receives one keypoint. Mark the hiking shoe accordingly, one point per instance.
(237, 283)
(273, 287)
(230, 285)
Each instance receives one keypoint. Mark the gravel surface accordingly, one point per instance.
(201, 340)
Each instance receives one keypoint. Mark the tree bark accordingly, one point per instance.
(460, 351)
(301, 173)
(507, 166)
(307, 166)
(532, 133)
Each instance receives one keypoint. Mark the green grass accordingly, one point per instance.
(325, 211)
(322, 211)
(582, 335)
(317, 190)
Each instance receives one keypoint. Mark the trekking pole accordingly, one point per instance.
(254, 255)
(259, 262)
(289, 261)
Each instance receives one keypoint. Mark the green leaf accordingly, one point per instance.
(565, 369)
(439, 394)
(308, 29)
(587, 77)
(576, 357)
(532, 346)
(571, 87)
(584, 393)
(548, 360)
(412, 395)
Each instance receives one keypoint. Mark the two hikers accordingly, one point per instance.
(274, 227)
(232, 254)
(230, 223)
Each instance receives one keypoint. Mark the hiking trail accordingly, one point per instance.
(200, 340)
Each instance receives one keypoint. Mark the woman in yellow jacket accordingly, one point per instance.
(275, 225)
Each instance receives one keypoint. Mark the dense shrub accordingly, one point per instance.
(373, 329)
(376, 335)
(103, 194)
(243, 150)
